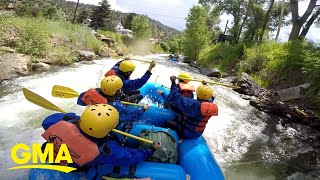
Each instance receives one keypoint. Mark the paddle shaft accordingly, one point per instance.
(212, 82)
(132, 136)
(61, 92)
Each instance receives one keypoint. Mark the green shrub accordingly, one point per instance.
(64, 56)
(157, 49)
(222, 56)
(128, 41)
(33, 41)
(114, 36)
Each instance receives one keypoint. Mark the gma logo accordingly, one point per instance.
(36, 154)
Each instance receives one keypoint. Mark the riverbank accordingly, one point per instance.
(274, 66)
(35, 44)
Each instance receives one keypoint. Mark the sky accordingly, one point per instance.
(174, 12)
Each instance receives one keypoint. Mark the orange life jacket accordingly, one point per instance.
(111, 72)
(81, 149)
(92, 97)
(186, 89)
(207, 110)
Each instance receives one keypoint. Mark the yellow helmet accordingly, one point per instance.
(110, 85)
(98, 120)
(127, 66)
(204, 92)
(184, 76)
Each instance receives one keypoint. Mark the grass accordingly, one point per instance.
(273, 65)
(42, 38)
(221, 56)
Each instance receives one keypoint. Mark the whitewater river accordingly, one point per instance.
(247, 144)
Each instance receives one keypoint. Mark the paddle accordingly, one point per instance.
(65, 92)
(220, 84)
(42, 102)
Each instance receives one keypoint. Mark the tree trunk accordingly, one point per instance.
(75, 12)
(309, 23)
(280, 20)
(298, 22)
(240, 30)
(266, 20)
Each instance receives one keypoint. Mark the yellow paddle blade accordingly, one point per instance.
(220, 84)
(40, 101)
(132, 136)
(64, 92)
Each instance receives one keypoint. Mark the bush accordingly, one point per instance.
(64, 56)
(114, 36)
(222, 56)
(128, 41)
(33, 41)
(157, 49)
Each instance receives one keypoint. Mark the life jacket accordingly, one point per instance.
(111, 72)
(81, 149)
(186, 89)
(92, 97)
(207, 109)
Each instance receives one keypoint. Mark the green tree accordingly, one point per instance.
(101, 17)
(197, 35)
(302, 22)
(128, 21)
(83, 15)
(51, 12)
(141, 27)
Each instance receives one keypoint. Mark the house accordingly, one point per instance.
(125, 32)
(154, 40)
(118, 25)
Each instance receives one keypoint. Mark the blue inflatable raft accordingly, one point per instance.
(195, 159)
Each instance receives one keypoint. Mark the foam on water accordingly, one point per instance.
(237, 137)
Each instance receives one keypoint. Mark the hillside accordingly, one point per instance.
(67, 9)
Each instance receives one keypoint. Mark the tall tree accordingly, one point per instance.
(266, 20)
(128, 21)
(101, 17)
(302, 22)
(197, 35)
(83, 15)
(141, 27)
(237, 8)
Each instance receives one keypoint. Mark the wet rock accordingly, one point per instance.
(247, 85)
(212, 72)
(46, 61)
(13, 65)
(87, 62)
(86, 56)
(120, 53)
(40, 66)
(292, 93)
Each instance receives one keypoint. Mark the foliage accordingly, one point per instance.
(101, 17)
(157, 49)
(37, 36)
(164, 46)
(128, 21)
(197, 35)
(83, 15)
(141, 27)
(64, 56)
(222, 56)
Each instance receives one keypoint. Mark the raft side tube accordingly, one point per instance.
(197, 161)
(160, 171)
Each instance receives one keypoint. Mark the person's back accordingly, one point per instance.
(108, 93)
(194, 114)
(124, 69)
(87, 137)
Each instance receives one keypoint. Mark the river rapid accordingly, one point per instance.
(246, 143)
